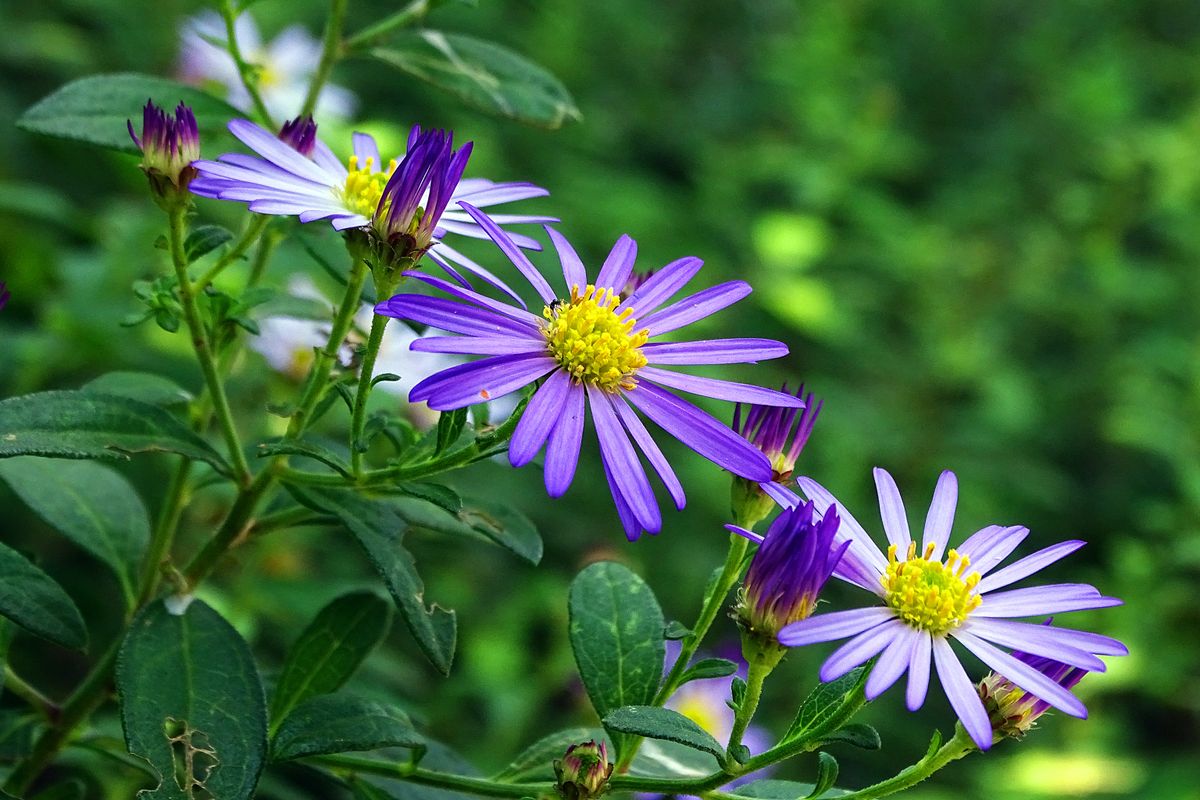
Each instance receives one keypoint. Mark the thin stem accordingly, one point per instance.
(330, 52)
(758, 672)
(358, 421)
(288, 518)
(960, 745)
(406, 16)
(246, 71)
(236, 524)
(262, 257)
(254, 229)
(407, 772)
(204, 354)
(23, 689)
(164, 532)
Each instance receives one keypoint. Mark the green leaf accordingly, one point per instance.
(659, 758)
(87, 425)
(89, 503)
(655, 722)
(449, 428)
(143, 386)
(676, 630)
(707, 668)
(829, 706)
(6, 636)
(771, 789)
(379, 529)
(441, 496)
(827, 775)
(95, 109)
(203, 240)
(539, 756)
(308, 449)
(33, 600)
(616, 629)
(482, 74)
(859, 735)
(74, 789)
(192, 703)
(330, 649)
(337, 723)
(500, 525)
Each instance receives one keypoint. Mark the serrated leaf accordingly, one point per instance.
(655, 722)
(482, 74)
(337, 723)
(856, 734)
(89, 503)
(192, 703)
(827, 775)
(539, 756)
(203, 240)
(34, 601)
(379, 529)
(88, 425)
(707, 668)
(828, 706)
(330, 649)
(143, 386)
(308, 449)
(616, 630)
(95, 109)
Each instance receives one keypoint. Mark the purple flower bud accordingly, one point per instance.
(583, 771)
(300, 134)
(169, 144)
(788, 571)
(1014, 711)
(780, 434)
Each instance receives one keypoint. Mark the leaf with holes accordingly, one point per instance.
(336, 723)
(192, 703)
(330, 649)
(89, 503)
(33, 600)
(484, 75)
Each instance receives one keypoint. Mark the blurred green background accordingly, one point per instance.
(977, 224)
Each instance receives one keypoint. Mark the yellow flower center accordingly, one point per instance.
(928, 594)
(594, 343)
(364, 186)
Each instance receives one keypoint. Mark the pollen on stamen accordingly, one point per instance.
(928, 594)
(364, 186)
(593, 342)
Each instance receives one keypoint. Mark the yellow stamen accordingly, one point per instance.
(364, 186)
(928, 594)
(593, 342)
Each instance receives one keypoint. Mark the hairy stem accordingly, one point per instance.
(358, 421)
(960, 745)
(413, 12)
(246, 71)
(330, 52)
(236, 523)
(759, 670)
(164, 533)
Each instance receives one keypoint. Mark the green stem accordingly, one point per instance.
(204, 354)
(406, 16)
(23, 689)
(235, 525)
(164, 533)
(262, 257)
(254, 229)
(358, 421)
(245, 71)
(330, 52)
(428, 777)
(758, 672)
(288, 518)
(951, 751)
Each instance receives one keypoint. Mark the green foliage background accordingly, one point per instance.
(977, 224)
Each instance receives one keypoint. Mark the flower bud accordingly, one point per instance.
(780, 433)
(1013, 711)
(300, 134)
(583, 771)
(169, 144)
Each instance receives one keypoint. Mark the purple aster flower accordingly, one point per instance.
(927, 601)
(4, 294)
(169, 144)
(411, 202)
(789, 569)
(1012, 710)
(593, 350)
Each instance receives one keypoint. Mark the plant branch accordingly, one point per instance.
(358, 421)
(413, 12)
(246, 71)
(958, 746)
(330, 53)
(407, 772)
(14, 683)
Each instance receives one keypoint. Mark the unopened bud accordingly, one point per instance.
(583, 771)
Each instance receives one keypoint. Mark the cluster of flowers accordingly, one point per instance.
(597, 349)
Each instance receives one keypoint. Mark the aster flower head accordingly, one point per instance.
(583, 771)
(780, 433)
(169, 144)
(930, 595)
(1013, 711)
(406, 206)
(788, 571)
(591, 350)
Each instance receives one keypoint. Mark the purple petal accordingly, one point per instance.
(617, 268)
(1028, 565)
(1027, 677)
(622, 460)
(695, 307)
(629, 521)
(454, 317)
(468, 384)
(1055, 598)
(862, 647)
(989, 546)
(271, 148)
(918, 672)
(745, 534)
(891, 508)
(719, 389)
(714, 351)
(543, 411)
(833, 626)
(1080, 640)
(700, 431)
(519, 315)
(562, 453)
(941, 515)
(477, 345)
(447, 253)
(573, 272)
(785, 497)
(499, 193)
(892, 663)
(462, 225)
(514, 253)
(651, 450)
(961, 694)
(365, 148)
(662, 285)
(863, 547)
(1036, 640)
